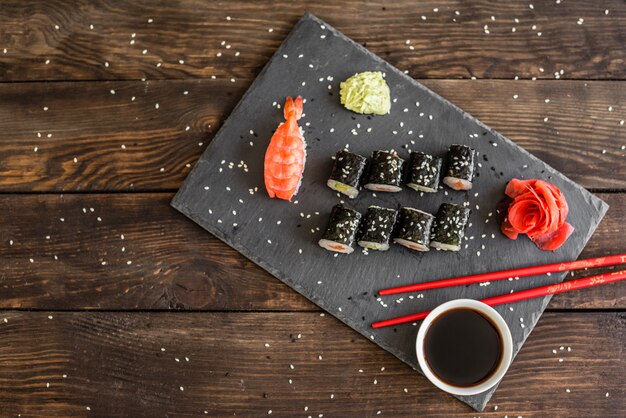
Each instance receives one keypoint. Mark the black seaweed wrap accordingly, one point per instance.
(377, 225)
(450, 223)
(460, 162)
(348, 168)
(414, 226)
(424, 170)
(385, 168)
(343, 225)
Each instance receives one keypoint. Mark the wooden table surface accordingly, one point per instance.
(113, 304)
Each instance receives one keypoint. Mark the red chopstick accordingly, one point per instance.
(524, 294)
(504, 274)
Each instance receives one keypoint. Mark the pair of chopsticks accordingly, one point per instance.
(516, 296)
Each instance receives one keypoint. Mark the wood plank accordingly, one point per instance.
(125, 144)
(445, 45)
(135, 364)
(174, 264)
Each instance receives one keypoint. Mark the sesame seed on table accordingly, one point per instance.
(113, 304)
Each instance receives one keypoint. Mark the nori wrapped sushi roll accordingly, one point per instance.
(424, 171)
(377, 227)
(449, 227)
(460, 168)
(341, 231)
(385, 172)
(414, 229)
(347, 172)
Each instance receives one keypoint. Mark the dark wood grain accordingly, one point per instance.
(141, 255)
(174, 263)
(121, 364)
(445, 45)
(125, 144)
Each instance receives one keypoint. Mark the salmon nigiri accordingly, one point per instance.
(286, 154)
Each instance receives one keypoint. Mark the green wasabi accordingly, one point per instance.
(366, 93)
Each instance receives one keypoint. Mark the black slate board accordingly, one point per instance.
(311, 62)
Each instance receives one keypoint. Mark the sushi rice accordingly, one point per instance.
(456, 183)
(351, 192)
(412, 245)
(382, 187)
(335, 246)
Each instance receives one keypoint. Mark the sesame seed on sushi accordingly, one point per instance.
(377, 228)
(414, 229)
(460, 167)
(347, 172)
(448, 228)
(385, 172)
(340, 234)
(424, 172)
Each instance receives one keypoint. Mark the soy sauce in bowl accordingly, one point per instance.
(463, 348)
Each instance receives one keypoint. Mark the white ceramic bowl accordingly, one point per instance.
(496, 319)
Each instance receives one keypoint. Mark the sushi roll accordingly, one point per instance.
(341, 231)
(414, 229)
(347, 172)
(449, 227)
(385, 172)
(460, 168)
(424, 171)
(377, 227)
